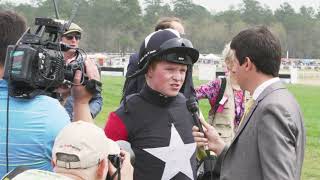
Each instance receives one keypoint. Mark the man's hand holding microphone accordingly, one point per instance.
(208, 138)
(204, 134)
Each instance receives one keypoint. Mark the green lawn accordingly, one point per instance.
(309, 100)
(307, 96)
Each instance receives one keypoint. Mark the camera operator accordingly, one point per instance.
(33, 123)
(72, 38)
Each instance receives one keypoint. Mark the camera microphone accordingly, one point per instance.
(65, 47)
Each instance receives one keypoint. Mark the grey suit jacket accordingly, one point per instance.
(269, 144)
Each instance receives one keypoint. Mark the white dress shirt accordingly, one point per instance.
(263, 86)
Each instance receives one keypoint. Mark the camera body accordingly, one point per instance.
(35, 65)
(115, 160)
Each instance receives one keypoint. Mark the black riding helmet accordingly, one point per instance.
(165, 45)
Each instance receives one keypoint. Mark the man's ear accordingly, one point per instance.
(248, 64)
(149, 72)
(102, 169)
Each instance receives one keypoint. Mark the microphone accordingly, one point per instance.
(126, 146)
(193, 107)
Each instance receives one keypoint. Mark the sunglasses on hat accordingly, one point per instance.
(70, 36)
(177, 58)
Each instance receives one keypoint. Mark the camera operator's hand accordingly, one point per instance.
(81, 95)
(126, 167)
(212, 140)
(92, 70)
(64, 92)
(78, 91)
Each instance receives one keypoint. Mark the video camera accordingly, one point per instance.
(35, 65)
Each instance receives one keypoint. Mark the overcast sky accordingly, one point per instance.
(221, 5)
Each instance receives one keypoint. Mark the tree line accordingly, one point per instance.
(121, 25)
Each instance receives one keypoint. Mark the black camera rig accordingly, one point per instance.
(35, 65)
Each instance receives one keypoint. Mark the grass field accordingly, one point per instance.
(307, 96)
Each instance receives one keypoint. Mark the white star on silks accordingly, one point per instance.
(176, 156)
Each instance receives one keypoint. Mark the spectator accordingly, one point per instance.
(225, 114)
(135, 84)
(270, 141)
(78, 155)
(156, 120)
(72, 37)
(33, 123)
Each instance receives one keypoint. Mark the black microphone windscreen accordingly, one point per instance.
(192, 105)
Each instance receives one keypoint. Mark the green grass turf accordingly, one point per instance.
(307, 96)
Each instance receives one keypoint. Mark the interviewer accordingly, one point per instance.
(269, 143)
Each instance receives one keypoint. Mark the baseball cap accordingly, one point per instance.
(82, 145)
(167, 45)
(72, 28)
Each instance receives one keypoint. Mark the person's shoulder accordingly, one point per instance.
(131, 102)
(134, 58)
(50, 106)
(281, 96)
(46, 101)
(275, 92)
(134, 98)
(46, 98)
(32, 174)
(278, 98)
(39, 101)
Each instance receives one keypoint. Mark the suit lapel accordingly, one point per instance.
(273, 87)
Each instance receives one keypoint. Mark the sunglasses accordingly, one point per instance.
(70, 36)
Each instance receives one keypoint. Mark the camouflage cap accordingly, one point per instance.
(73, 27)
